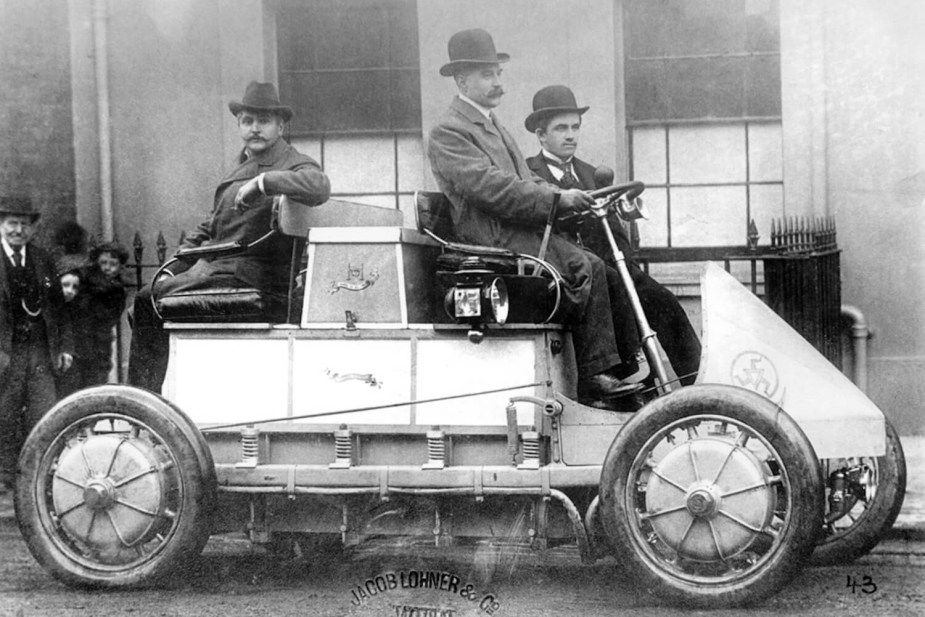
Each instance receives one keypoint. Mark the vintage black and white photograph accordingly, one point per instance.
(447, 308)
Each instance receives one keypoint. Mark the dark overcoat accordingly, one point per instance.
(57, 327)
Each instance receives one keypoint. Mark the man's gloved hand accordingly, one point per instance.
(574, 200)
(64, 361)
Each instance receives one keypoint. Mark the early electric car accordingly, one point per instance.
(411, 385)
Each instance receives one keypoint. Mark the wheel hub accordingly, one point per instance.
(99, 494)
(708, 499)
(112, 492)
(703, 502)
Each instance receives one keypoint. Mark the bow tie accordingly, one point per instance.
(563, 165)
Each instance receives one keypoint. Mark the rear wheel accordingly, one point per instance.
(870, 503)
(711, 496)
(116, 489)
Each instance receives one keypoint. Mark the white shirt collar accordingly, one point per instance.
(9, 251)
(481, 109)
(552, 156)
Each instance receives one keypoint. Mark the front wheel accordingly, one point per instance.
(858, 516)
(116, 489)
(711, 496)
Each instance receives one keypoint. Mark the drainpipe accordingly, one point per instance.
(100, 49)
(859, 333)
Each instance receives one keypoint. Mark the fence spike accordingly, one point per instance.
(161, 244)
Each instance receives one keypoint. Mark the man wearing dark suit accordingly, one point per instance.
(556, 122)
(497, 201)
(35, 336)
(242, 212)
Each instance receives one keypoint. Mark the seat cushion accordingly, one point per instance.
(223, 304)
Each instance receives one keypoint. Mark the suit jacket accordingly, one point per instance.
(287, 172)
(591, 234)
(496, 199)
(57, 325)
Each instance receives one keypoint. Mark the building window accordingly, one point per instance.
(350, 69)
(703, 105)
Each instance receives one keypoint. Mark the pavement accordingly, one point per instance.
(909, 525)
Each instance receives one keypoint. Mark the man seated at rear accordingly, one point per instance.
(497, 201)
(242, 211)
(556, 122)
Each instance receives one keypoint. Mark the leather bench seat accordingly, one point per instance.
(225, 305)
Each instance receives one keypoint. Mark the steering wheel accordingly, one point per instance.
(631, 190)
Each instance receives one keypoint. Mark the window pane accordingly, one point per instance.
(350, 65)
(708, 215)
(706, 88)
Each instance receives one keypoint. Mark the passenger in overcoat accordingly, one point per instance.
(35, 335)
(556, 121)
(242, 211)
(497, 201)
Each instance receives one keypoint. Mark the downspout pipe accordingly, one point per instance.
(101, 64)
(858, 332)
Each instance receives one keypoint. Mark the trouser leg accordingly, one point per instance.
(148, 351)
(670, 322)
(12, 403)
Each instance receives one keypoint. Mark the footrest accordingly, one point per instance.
(223, 305)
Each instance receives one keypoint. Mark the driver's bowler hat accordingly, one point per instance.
(18, 205)
(474, 46)
(261, 97)
(549, 101)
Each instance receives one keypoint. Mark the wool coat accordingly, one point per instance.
(497, 201)
(57, 327)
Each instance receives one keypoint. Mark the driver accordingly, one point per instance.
(242, 212)
(556, 122)
(497, 201)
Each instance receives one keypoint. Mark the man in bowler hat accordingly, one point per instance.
(35, 336)
(497, 201)
(556, 122)
(242, 210)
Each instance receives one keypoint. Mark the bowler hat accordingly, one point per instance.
(549, 101)
(19, 205)
(261, 97)
(474, 46)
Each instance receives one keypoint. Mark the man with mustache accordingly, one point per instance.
(35, 335)
(497, 201)
(242, 212)
(556, 122)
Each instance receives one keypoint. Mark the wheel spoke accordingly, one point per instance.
(649, 515)
(58, 476)
(71, 509)
(715, 536)
(742, 439)
(115, 455)
(723, 465)
(738, 521)
(657, 474)
(768, 482)
(690, 450)
(115, 528)
(132, 506)
(138, 475)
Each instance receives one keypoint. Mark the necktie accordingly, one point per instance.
(568, 179)
(17, 256)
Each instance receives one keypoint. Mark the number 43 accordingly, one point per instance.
(867, 584)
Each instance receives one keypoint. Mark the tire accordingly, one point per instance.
(871, 513)
(711, 496)
(116, 489)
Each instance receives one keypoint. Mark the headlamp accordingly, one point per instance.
(478, 296)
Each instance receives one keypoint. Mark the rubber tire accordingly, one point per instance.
(798, 459)
(864, 535)
(195, 467)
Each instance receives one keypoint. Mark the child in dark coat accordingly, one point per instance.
(104, 303)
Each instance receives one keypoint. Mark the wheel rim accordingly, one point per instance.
(109, 492)
(859, 507)
(711, 501)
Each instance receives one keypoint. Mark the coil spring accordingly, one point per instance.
(531, 446)
(436, 448)
(249, 446)
(342, 446)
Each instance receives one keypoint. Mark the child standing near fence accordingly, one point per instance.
(104, 303)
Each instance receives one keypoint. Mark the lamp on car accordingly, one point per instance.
(477, 297)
